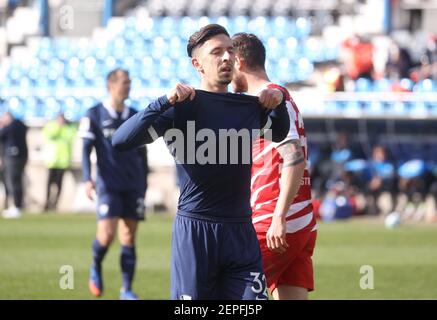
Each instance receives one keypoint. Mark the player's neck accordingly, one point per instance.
(116, 105)
(256, 81)
(204, 85)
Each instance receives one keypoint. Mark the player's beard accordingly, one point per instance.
(224, 81)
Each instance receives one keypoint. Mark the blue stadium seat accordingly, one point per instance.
(274, 48)
(313, 50)
(225, 22)
(239, 24)
(291, 48)
(412, 169)
(426, 85)
(374, 108)
(419, 109)
(281, 27)
(353, 108)
(260, 26)
(160, 48)
(382, 85)
(168, 26)
(406, 84)
(303, 27)
(284, 70)
(398, 108)
(184, 69)
(32, 108)
(167, 69)
(187, 27)
(333, 108)
(51, 108)
(177, 48)
(304, 69)
(363, 85)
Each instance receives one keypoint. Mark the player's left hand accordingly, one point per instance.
(276, 235)
(270, 98)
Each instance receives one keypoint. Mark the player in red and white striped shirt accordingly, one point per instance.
(281, 188)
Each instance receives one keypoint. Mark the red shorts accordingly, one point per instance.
(293, 267)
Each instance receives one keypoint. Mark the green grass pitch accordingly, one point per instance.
(34, 248)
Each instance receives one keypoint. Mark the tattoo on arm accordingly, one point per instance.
(292, 153)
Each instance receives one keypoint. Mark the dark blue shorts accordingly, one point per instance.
(216, 260)
(120, 204)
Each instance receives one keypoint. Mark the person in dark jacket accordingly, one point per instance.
(13, 139)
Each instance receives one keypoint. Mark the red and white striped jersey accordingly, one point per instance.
(266, 174)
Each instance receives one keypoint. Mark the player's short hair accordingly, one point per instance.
(113, 75)
(249, 47)
(205, 33)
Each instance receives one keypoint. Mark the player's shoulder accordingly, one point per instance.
(93, 111)
(291, 103)
(281, 88)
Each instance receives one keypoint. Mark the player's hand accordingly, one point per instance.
(276, 235)
(270, 98)
(90, 190)
(180, 92)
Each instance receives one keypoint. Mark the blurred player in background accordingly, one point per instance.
(121, 182)
(13, 134)
(215, 252)
(281, 189)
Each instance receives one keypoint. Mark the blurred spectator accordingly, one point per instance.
(59, 136)
(428, 60)
(357, 57)
(3, 178)
(382, 184)
(333, 79)
(342, 152)
(13, 138)
(337, 204)
(399, 63)
(413, 188)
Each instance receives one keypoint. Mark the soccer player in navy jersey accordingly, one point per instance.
(215, 252)
(120, 185)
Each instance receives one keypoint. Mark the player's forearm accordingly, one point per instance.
(134, 132)
(291, 178)
(86, 162)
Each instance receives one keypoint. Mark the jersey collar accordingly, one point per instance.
(112, 112)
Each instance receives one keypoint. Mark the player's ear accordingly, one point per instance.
(196, 64)
(239, 63)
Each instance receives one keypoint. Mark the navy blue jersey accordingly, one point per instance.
(13, 140)
(116, 170)
(219, 188)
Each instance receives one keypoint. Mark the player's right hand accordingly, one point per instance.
(276, 235)
(90, 190)
(270, 98)
(180, 92)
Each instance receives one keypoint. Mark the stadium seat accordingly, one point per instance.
(363, 85)
(303, 27)
(281, 27)
(382, 85)
(419, 109)
(352, 109)
(412, 169)
(374, 108)
(426, 85)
